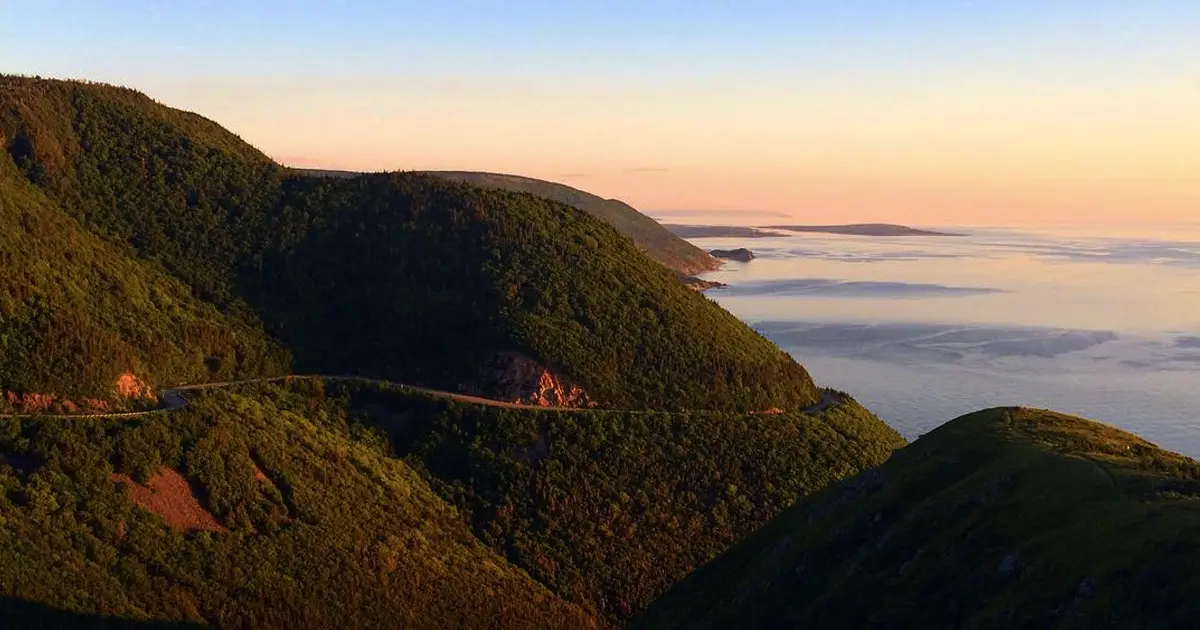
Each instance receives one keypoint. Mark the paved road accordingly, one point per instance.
(172, 399)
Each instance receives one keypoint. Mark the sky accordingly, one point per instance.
(960, 112)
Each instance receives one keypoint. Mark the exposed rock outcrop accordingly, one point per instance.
(514, 377)
(128, 390)
(130, 386)
(740, 254)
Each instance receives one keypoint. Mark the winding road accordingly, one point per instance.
(172, 399)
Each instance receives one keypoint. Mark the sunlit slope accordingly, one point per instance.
(281, 523)
(653, 238)
(78, 314)
(1006, 518)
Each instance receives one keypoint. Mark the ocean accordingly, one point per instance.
(1099, 323)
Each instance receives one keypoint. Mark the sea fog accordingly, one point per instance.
(923, 329)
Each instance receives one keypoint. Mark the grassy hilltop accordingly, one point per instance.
(1005, 518)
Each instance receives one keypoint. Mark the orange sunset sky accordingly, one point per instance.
(942, 113)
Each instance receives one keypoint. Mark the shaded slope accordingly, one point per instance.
(76, 314)
(656, 240)
(406, 277)
(457, 274)
(322, 533)
(18, 614)
(1006, 518)
(610, 509)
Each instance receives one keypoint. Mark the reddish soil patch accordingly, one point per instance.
(35, 403)
(30, 402)
(95, 405)
(169, 496)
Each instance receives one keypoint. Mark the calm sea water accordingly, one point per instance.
(924, 329)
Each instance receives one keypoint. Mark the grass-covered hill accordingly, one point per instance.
(606, 509)
(1005, 518)
(653, 238)
(276, 520)
(404, 276)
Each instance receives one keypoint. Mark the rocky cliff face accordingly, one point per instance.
(514, 377)
(130, 386)
(696, 284)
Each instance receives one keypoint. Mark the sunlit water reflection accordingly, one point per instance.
(923, 329)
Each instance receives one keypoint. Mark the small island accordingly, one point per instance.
(863, 229)
(740, 254)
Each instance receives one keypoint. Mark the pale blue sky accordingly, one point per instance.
(134, 39)
(860, 109)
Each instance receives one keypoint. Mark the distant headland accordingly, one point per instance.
(853, 229)
(718, 231)
(862, 229)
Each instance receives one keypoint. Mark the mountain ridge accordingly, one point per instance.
(655, 239)
(460, 277)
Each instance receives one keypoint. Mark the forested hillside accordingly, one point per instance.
(606, 509)
(1006, 518)
(688, 473)
(238, 513)
(651, 237)
(78, 314)
(402, 276)
(656, 240)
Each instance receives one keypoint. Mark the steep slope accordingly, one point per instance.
(1006, 518)
(301, 528)
(458, 276)
(83, 326)
(175, 187)
(402, 276)
(657, 241)
(608, 509)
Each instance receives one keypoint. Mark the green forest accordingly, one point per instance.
(608, 509)
(657, 241)
(654, 239)
(403, 276)
(319, 530)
